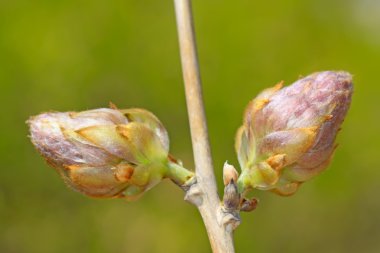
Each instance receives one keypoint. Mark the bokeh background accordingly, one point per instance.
(76, 55)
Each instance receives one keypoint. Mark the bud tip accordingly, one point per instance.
(229, 173)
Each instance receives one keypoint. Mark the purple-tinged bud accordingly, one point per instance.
(288, 134)
(106, 152)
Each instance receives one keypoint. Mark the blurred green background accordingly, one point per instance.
(76, 55)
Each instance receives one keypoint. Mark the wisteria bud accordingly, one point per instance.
(229, 173)
(288, 134)
(105, 152)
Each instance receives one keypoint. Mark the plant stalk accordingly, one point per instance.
(221, 238)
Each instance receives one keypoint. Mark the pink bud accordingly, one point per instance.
(293, 130)
(103, 152)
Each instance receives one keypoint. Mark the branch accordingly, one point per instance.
(205, 189)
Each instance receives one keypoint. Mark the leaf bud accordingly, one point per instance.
(229, 173)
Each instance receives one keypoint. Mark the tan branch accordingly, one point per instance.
(204, 192)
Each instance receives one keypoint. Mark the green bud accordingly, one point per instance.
(288, 134)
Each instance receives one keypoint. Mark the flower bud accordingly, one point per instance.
(104, 152)
(288, 134)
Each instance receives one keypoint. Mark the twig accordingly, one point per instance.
(204, 192)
